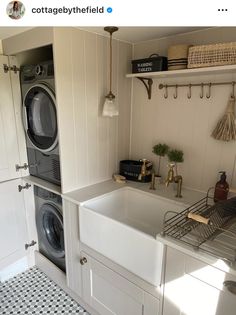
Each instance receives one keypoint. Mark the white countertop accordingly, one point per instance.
(89, 192)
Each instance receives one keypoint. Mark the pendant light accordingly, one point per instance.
(110, 107)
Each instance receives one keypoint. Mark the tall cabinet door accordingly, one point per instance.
(9, 150)
(13, 228)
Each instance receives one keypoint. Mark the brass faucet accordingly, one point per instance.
(144, 171)
(172, 178)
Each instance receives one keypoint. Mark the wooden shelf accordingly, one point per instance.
(185, 72)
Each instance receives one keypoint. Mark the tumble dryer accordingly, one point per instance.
(39, 114)
(49, 224)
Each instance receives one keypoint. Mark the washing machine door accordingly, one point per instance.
(49, 224)
(40, 117)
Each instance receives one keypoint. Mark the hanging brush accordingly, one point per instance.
(225, 129)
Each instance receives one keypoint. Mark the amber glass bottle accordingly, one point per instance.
(221, 188)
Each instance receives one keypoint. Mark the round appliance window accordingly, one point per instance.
(52, 226)
(41, 118)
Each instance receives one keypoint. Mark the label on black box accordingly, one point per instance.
(145, 64)
(145, 69)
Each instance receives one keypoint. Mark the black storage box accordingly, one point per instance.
(132, 169)
(151, 64)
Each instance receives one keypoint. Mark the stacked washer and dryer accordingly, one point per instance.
(39, 114)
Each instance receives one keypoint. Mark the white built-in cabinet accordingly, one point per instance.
(12, 224)
(9, 114)
(111, 294)
(14, 233)
(193, 287)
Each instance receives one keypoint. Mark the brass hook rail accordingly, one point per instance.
(190, 85)
(161, 86)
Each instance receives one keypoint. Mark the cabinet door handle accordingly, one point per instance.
(83, 261)
(20, 187)
(231, 286)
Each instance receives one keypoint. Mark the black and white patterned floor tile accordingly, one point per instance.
(33, 293)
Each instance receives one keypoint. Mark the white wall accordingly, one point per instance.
(182, 123)
(91, 145)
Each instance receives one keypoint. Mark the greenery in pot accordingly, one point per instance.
(176, 156)
(160, 150)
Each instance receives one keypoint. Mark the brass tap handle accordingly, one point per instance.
(170, 176)
(179, 180)
(152, 186)
(143, 167)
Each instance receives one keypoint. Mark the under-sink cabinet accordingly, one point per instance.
(110, 293)
(193, 287)
(101, 283)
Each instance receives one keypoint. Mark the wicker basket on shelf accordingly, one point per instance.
(212, 55)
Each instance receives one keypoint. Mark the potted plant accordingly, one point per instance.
(160, 150)
(175, 156)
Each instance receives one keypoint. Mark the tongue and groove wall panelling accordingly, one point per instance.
(124, 96)
(103, 123)
(184, 123)
(89, 143)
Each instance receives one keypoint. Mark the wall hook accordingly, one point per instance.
(209, 91)
(176, 91)
(189, 95)
(166, 91)
(232, 94)
(201, 94)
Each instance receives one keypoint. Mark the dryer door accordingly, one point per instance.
(40, 117)
(49, 224)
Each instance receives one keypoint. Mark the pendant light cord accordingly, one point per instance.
(110, 30)
(110, 61)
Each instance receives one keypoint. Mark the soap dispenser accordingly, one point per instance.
(221, 188)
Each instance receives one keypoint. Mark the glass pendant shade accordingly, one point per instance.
(110, 107)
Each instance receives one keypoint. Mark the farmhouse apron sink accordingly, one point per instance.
(122, 225)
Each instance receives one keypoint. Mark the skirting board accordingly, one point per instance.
(12, 270)
(59, 277)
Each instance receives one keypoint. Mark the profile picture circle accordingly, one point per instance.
(15, 10)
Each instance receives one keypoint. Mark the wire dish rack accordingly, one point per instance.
(206, 226)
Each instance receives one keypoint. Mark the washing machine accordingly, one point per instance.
(49, 224)
(39, 114)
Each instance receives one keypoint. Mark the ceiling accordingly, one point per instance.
(129, 34)
(139, 34)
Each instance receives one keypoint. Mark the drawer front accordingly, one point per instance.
(209, 274)
(195, 288)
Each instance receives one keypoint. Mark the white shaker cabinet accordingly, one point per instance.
(111, 294)
(13, 227)
(10, 123)
(192, 287)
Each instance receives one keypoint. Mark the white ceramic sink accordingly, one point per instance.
(122, 225)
